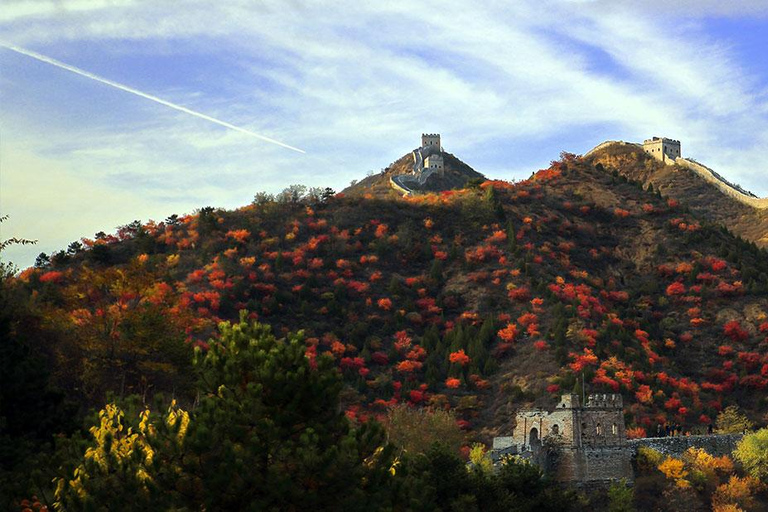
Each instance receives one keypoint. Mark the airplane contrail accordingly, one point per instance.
(150, 97)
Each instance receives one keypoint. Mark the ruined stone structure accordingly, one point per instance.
(663, 149)
(574, 442)
(587, 445)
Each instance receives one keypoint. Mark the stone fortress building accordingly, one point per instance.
(663, 149)
(435, 162)
(574, 442)
(430, 157)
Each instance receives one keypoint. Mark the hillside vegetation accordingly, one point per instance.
(478, 301)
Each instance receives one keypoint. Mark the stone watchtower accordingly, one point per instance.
(435, 162)
(575, 442)
(430, 143)
(663, 149)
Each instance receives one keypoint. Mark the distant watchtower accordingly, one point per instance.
(663, 149)
(430, 142)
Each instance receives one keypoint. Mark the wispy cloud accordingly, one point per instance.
(146, 96)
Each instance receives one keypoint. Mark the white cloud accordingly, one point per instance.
(686, 8)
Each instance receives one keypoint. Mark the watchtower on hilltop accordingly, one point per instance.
(430, 143)
(663, 149)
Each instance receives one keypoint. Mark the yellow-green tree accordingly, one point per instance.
(118, 465)
(732, 421)
(752, 453)
(479, 456)
(267, 434)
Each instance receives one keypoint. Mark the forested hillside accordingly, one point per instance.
(477, 301)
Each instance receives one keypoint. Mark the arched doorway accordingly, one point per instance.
(533, 438)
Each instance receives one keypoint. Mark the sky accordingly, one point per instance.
(508, 85)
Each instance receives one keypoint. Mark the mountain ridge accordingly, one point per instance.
(701, 188)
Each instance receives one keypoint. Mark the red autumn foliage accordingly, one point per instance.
(408, 366)
(621, 213)
(452, 383)
(734, 331)
(675, 288)
(380, 358)
(402, 341)
(520, 293)
(239, 235)
(459, 357)
(581, 361)
(52, 276)
(508, 333)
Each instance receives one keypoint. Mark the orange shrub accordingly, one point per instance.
(452, 383)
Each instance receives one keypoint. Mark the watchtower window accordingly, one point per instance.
(614, 429)
(555, 430)
(599, 429)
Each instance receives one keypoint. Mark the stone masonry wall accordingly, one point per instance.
(602, 427)
(594, 465)
(704, 172)
(707, 175)
(716, 445)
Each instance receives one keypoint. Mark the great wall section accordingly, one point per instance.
(707, 174)
(422, 167)
(583, 441)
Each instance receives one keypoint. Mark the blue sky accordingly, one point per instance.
(508, 85)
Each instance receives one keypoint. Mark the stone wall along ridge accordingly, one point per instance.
(704, 172)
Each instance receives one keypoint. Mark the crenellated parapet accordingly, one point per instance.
(604, 401)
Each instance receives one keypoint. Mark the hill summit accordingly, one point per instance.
(659, 164)
(428, 168)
